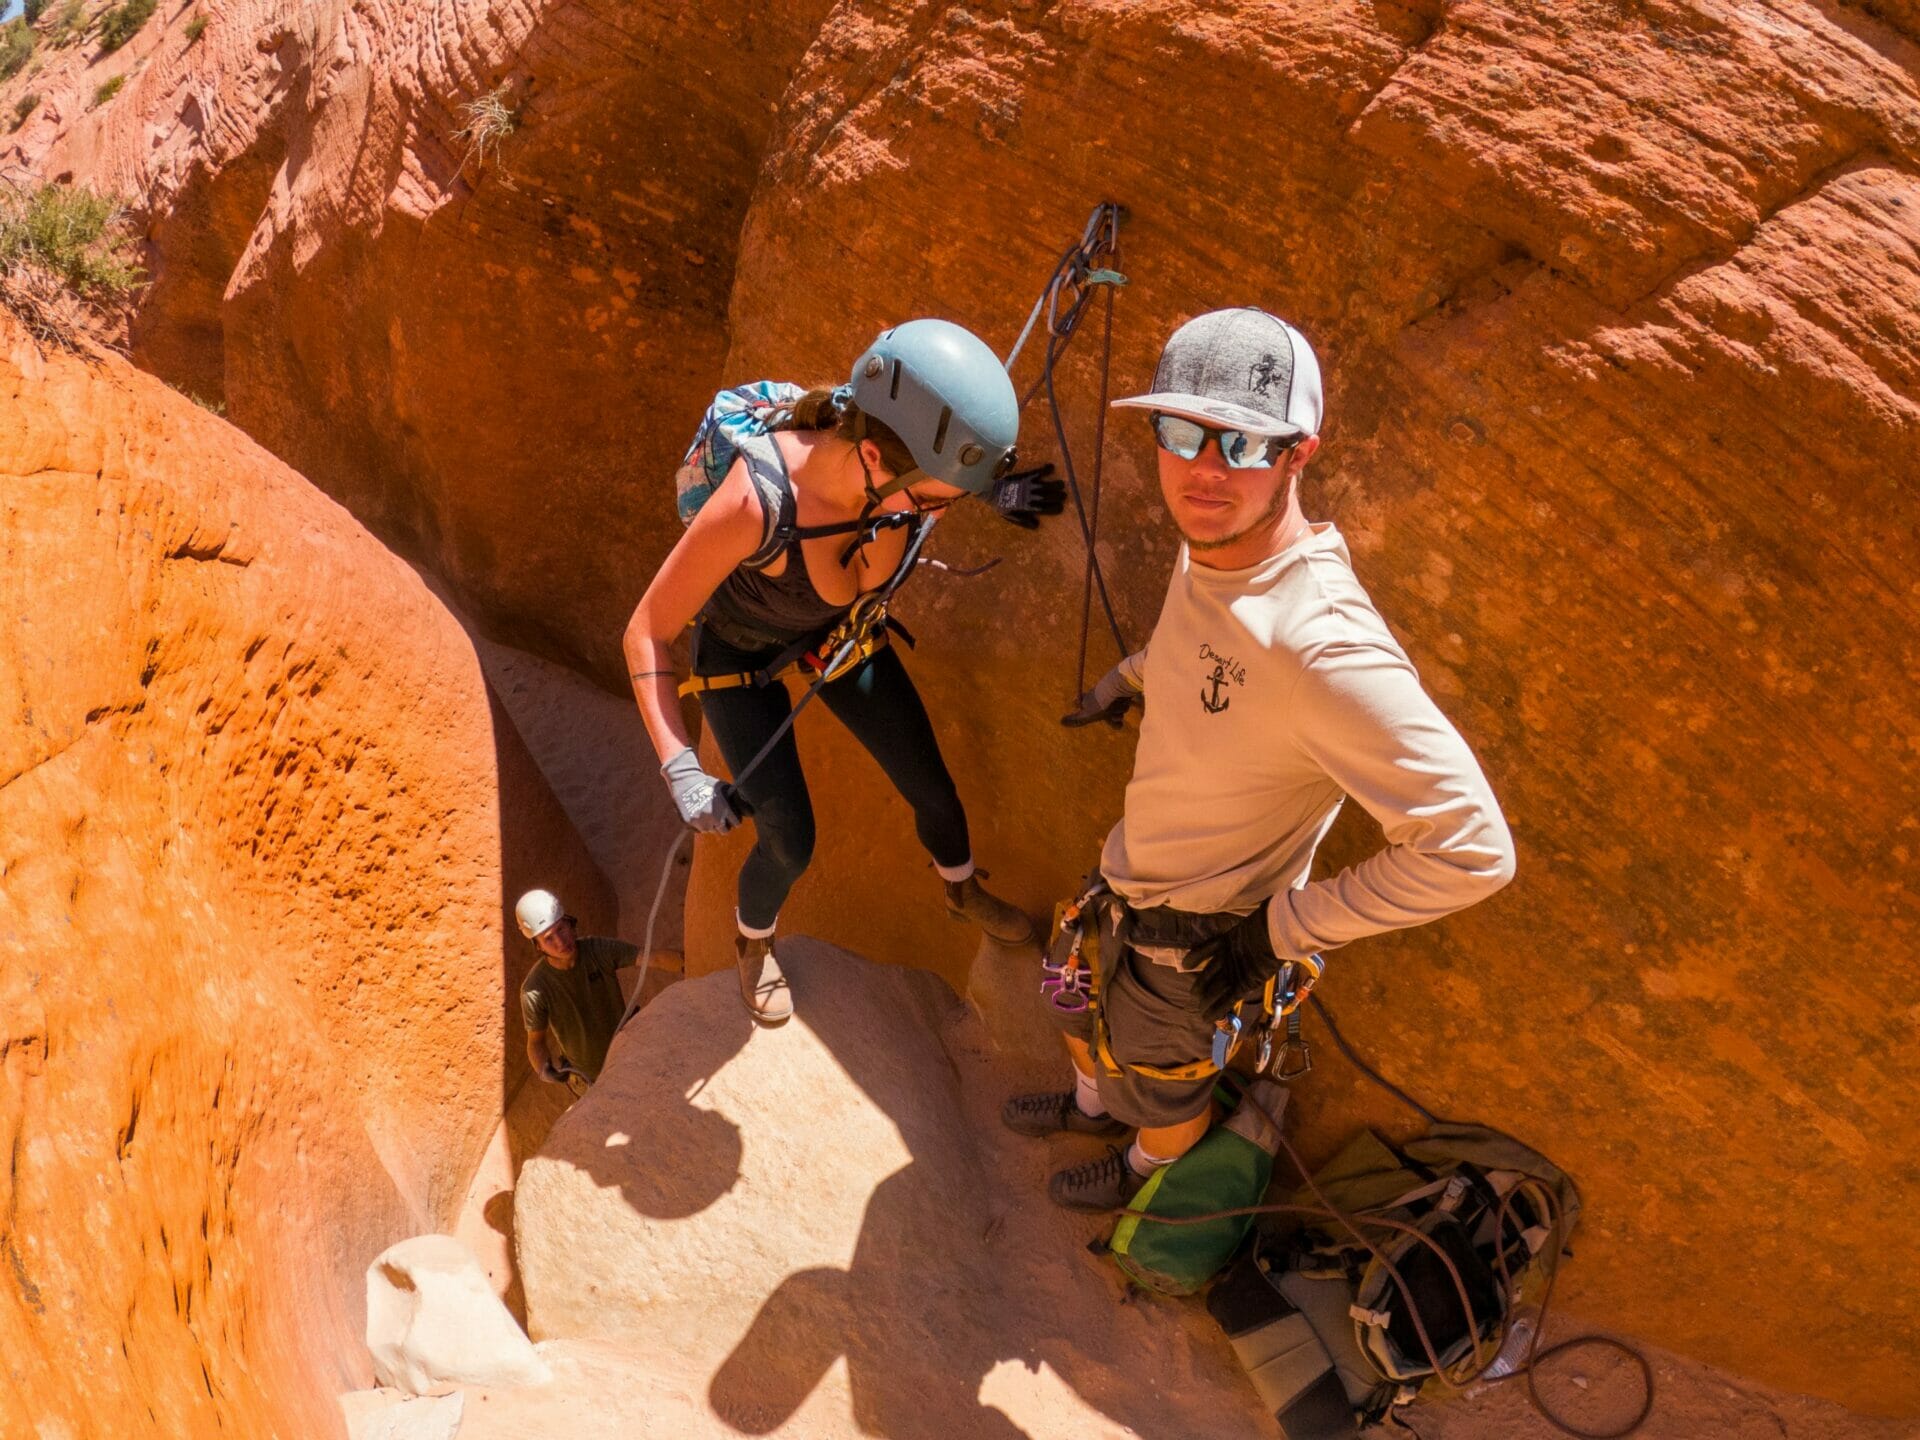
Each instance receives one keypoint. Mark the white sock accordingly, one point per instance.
(1145, 1164)
(954, 874)
(1086, 1095)
(749, 931)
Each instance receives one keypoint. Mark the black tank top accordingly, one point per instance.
(752, 610)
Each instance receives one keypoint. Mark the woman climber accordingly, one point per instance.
(789, 560)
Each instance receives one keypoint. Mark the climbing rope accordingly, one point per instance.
(1091, 265)
(1327, 1210)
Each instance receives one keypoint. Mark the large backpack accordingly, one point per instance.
(1320, 1325)
(738, 425)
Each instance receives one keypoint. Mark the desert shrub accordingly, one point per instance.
(196, 27)
(69, 24)
(65, 256)
(108, 89)
(71, 232)
(16, 48)
(123, 22)
(34, 10)
(25, 106)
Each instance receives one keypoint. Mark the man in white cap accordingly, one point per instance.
(571, 998)
(1271, 689)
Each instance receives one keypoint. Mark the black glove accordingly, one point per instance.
(1233, 965)
(553, 1074)
(1024, 496)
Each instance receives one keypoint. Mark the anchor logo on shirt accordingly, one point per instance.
(1214, 701)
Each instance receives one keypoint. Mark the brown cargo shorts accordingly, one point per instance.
(1152, 1019)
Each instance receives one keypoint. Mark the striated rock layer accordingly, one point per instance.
(1616, 303)
(260, 820)
(492, 351)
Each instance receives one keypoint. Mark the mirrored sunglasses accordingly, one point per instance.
(1187, 438)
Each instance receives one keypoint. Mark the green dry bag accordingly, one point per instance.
(1228, 1169)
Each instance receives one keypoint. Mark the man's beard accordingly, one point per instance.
(1276, 507)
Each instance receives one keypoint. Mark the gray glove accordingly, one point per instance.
(1109, 700)
(701, 798)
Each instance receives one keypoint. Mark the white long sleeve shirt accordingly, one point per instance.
(1272, 693)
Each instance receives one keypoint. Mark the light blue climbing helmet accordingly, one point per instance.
(945, 394)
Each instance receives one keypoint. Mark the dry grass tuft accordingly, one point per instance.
(489, 121)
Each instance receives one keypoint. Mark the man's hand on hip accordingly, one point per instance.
(1109, 700)
(1233, 965)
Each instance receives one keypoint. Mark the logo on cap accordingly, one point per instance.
(1262, 373)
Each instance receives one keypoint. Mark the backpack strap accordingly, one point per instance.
(767, 473)
(780, 527)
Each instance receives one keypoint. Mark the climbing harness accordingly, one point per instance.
(1072, 981)
(1091, 265)
(860, 634)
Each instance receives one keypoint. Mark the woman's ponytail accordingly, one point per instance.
(818, 409)
(831, 407)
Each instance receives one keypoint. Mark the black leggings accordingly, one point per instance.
(877, 702)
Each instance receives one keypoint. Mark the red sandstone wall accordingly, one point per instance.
(259, 823)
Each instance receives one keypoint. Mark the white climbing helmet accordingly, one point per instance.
(538, 912)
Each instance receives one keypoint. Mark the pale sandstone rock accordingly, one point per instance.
(434, 1321)
(806, 1229)
(387, 1415)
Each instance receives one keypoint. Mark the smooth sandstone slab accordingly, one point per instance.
(805, 1229)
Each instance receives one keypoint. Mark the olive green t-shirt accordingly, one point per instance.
(581, 1005)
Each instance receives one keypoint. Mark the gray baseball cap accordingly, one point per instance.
(1238, 370)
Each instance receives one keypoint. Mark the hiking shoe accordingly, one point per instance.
(762, 985)
(1097, 1186)
(966, 900)
(1056, 1114)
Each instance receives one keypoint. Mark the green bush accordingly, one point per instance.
(16, 48)
(69, 25)
(70, 232)
(25, 106)
(108, 89)
(34, 10)
(123, 22)
(196, 27)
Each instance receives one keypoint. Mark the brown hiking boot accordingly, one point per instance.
(1096, 1186)
(1057, 1113)
(1003, 924)
(762, 985)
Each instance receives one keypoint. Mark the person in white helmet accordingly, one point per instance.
(571, 999)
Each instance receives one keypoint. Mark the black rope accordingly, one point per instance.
(1088, 265)
(1340, 1041)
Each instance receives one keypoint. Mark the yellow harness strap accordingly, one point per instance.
(874, 640)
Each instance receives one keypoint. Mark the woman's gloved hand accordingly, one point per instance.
(702, 800)
(1234, 964)
(1024, 496)
(1109, 700)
